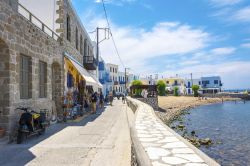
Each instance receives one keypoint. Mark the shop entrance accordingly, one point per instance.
(56, 86)
(4, 88)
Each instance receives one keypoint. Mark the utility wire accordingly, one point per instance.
(113, 40)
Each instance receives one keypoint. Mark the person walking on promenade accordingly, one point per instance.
(123, 98)
(101, 100)
(93, 102)
(111, 98)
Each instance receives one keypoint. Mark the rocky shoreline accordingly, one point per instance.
(171, 109)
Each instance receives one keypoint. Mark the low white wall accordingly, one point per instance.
(157, 144)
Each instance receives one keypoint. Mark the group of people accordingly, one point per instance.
(91, 100)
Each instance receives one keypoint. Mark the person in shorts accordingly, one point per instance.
(101, 100)
(111, 98)
(93, 102)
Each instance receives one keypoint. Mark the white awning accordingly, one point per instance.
(98, 83)
(89, 79)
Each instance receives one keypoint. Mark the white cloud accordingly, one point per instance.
(223, 51)
(243, 14)
(137, 45)
(220, 3)
(245, 45)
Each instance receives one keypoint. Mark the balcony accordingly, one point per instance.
(101, 66)
(90, 62)
(109, 80)
(115, 82)
(102, 81)
(121, 82)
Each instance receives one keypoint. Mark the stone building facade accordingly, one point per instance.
(20, 37)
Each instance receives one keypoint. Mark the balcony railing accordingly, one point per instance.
(121, 82)
(90, 62)
(37, 22)
(109, 80)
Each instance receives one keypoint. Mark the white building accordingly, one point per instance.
(113, 75)
(211, 84)
(149, 80)
(189, 83)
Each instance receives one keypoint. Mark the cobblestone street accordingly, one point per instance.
(101, 139)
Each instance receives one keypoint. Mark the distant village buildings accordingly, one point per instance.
(212, 84)
(113, 80)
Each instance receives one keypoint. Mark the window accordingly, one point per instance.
(199, 82)
(81, 45)
(42, 79)
(110, 69)
(68, 29)
(167, 82)
(175, 82)
(25, 77)
(216, 81)
(77, 38)
(87, 50)
(85, 47)
(205, 82)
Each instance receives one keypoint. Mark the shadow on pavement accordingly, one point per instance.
(19, 154)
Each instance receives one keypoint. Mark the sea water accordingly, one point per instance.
(228, 125)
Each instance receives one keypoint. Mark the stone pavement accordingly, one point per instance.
(162, 144)
(98, 140)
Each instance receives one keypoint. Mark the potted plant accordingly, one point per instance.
(2, 132)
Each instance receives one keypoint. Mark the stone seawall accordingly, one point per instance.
(158, 145)
(232, 95)
(153, 102)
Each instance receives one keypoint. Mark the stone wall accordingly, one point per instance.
(18, 36)
(153, 102)
(233, 95)
(157, 144)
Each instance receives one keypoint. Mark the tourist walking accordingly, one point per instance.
(101, 100)
(93, 102)
(111, 98)
(123, 98)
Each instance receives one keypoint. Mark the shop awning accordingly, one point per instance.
(86, 75)
(98, 83)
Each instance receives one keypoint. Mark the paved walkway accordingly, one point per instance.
(98, 140)
(163, 146)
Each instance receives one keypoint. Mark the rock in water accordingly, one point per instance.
(206, 141)
(180, 126)
(193, 133)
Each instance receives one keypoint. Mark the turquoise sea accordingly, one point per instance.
(228, 125)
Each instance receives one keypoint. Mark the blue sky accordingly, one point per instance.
(169, 37)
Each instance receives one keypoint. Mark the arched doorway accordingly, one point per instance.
(4, 88)
(57, 86)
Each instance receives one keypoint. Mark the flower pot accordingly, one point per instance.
(2, 132)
